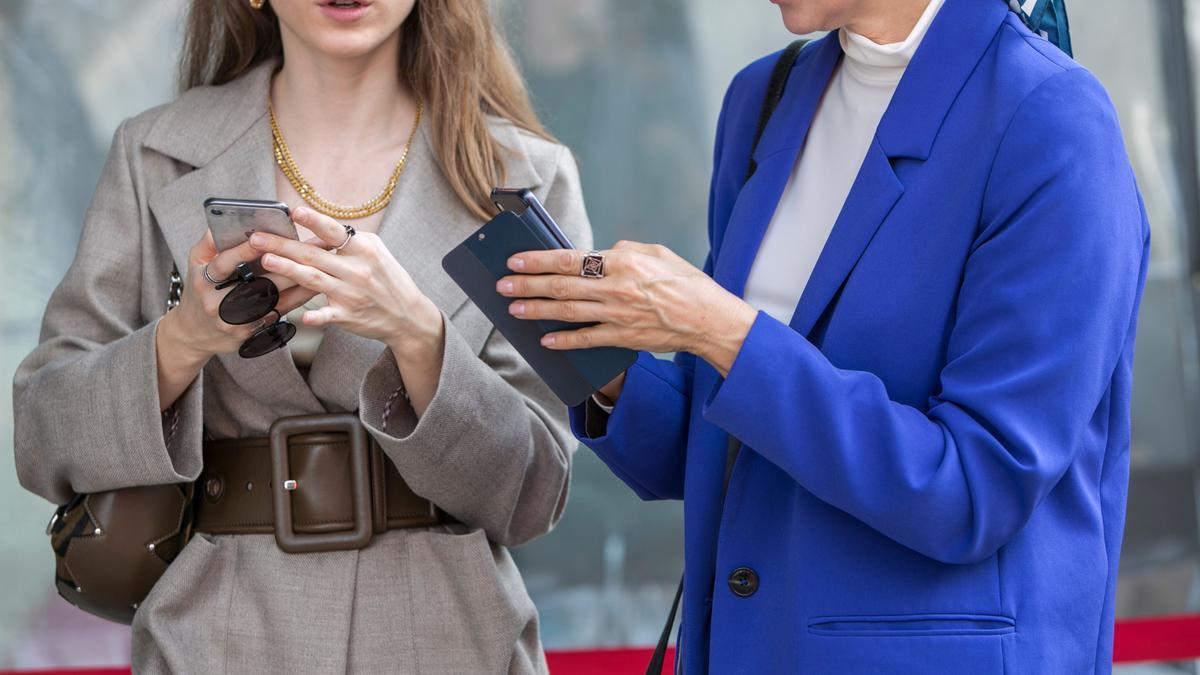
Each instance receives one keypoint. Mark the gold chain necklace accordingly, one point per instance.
(283, 157)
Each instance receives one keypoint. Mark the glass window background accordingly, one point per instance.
(634, 88)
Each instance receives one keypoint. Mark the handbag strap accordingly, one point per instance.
(775, 87)
(774, 94)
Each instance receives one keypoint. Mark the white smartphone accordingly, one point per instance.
(232, 221)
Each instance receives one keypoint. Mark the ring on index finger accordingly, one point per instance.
(593, 266)
(349, 235)
(214, 282)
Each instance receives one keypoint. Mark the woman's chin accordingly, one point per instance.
(796, 26)
(799, 20)
(349, 44)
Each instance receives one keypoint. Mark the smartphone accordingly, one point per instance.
(520, 200)
(232, 221)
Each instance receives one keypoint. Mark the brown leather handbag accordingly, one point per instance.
(111, 547)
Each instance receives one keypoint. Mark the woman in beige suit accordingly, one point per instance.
(470, 452)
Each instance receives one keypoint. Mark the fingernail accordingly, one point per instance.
(517, 308)
(258, 239)
(504, 286)
(268, 260)
(516, 263)
(548, 341)
(299, 213)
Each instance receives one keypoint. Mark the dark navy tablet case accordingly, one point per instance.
(480, 261)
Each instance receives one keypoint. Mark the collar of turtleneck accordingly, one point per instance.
(873, 63)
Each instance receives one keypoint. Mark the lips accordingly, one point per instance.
(345, 11)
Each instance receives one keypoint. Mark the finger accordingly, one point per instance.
(556, 286)
(204, 250)
(267, 319)
(293, 298)
(221, 266)
(557, 261)
(303, 275)
(320, 317)
(603, 335)
(327, 229)
(305, 253)
(571, 311)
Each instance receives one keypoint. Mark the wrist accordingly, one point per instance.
(170, 341)
(609, 393)
(719, 345)
(423, 341)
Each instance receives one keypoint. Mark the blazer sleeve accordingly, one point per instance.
(494, 447)
(1045, 314)
(644, 441)
(85, 401)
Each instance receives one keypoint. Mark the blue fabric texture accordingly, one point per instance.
(936, 449)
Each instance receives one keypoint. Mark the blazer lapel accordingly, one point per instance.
(875, 191)
(776, 154)
(243, 168)
(948, 54)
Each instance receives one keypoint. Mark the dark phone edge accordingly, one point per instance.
(531, 201)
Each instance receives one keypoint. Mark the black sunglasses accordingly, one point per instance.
(251, 299)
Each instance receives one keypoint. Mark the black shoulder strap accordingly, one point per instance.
(779, 78)
(660, 651)
(778, 82)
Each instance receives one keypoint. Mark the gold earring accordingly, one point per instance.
(256, 4)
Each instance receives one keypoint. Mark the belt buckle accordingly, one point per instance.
(286, 536)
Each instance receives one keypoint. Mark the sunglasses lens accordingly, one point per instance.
(267, 339)
(249, 302)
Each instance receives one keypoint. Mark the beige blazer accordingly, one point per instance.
(493, 449)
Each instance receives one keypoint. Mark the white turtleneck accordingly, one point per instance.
(837, 142)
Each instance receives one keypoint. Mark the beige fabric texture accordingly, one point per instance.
(493, 449)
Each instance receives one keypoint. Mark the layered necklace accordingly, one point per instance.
(283, 157)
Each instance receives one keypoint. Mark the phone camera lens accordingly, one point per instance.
(217, 212)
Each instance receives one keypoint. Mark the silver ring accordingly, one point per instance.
(349, 234)
(211, 280)
(593, 265)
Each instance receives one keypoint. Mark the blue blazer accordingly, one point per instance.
(936, 448)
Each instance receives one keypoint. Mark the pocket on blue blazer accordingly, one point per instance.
(912, 625)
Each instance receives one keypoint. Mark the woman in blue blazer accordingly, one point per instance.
(935, 447)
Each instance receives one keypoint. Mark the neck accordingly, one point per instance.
(345, 102)
(887, 21)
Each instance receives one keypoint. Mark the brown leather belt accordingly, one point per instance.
(318, 483)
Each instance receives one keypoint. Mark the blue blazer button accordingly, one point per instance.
(743, 582)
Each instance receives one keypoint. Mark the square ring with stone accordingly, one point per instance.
(593, 266)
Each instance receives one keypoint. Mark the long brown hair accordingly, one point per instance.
(450, 51)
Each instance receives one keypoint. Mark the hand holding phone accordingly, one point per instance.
(255, 294)
(476, 265)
